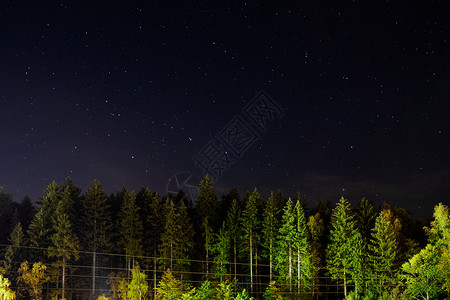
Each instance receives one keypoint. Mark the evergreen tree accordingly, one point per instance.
(130, 229)
(209, 242)
(65, 243)
(234, 230)
(221, 249)
(270, 229)
(342, 249)
(37, 233)
(250, 226)
(13, 252)
(97, 223)
(316, 232)
(185, 238)
(285, 252)
(383, 250)
(155, 226)
(169, 237)
(207, 201)
(365, 216)
(301, 246)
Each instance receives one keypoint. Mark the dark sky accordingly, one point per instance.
(132, 93)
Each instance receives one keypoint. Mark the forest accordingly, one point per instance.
(128, 245)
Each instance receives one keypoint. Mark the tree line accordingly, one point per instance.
(275, 248)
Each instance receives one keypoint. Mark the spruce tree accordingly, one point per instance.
(234, 230)
(97, 223)
(130, 229)
(185, 239)
(169, 236)
(284, 257)
(250, 226)
(65, 243)
(301, 246)
(383, 250)
(270, 229)
(342, 249)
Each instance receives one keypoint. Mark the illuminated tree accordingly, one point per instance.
(97, 223)
(384, 249)
(284, 256)
(130, 228)
(342, 251)
(5, 292)
(270, 227)
(250, 226)
(34, 279)
(234, 229)
(65, 243)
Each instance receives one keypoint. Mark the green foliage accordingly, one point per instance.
(272, 292)
(243, 296)
(224, 291)
(207, 201)
(138, 286)
(342, 251)
(250, 225)
(422, 274)
(383, 250)
(13, 251)
(169, 288)
(284, 255)
(221, 250)
(130, 227)
(34, 279)
(96, 218)
(270, 227)
(206, 291)
(234, 230)
(5, 292)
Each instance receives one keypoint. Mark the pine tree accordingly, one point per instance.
(65, 243)
(13, 252)
(342, 249)
(221, 249)
(130, 229)
(316, 232)
(383, 250)
(301, 246)
(169, 236)
(97, 223)
(206, 207)
(185, 239)
(270, 229)
(250, 226)
(284, 266)
(155, 226)
(234, 230)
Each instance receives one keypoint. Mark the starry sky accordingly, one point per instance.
(132, 93)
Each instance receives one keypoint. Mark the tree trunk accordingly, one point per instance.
(235, 260)
(299, 274)
(93, 272)
(251, 261)
(290, 267)
(63, 277)
(270, 261)
(345, 284)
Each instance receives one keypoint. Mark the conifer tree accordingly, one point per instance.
(185, 238)
(301, 245)
(130, 228)
(13, 252)
(270, 229)
(169, 236)
(342, 249)
(383, 250)
(316, 232)
(155, 226)
(234, 230)
(65, 243)
(97, 223)
(285, 250)
(221, 249)
(250, 226)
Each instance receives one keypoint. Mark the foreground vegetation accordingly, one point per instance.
(139, 246)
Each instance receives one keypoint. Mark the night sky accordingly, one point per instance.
(354, 102)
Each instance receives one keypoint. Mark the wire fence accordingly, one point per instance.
(83, 278)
